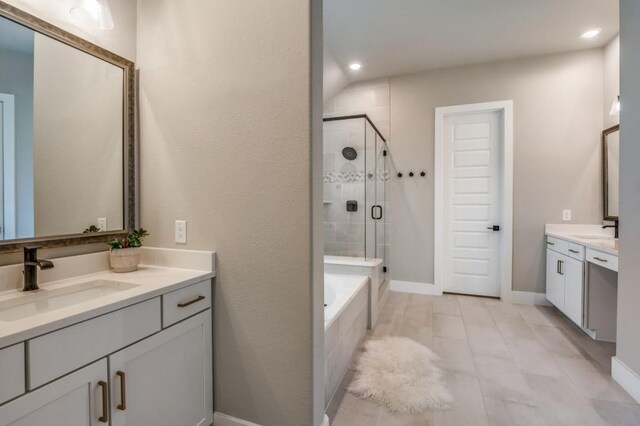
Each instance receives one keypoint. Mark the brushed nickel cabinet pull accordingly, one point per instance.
(574, 251)
(601, 260)
(550, 243)
(191, 302)
(123, 391)
(559, 267)
(105, 402)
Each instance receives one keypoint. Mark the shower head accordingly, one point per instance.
(349, 153)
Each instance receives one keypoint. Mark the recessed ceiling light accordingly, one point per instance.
(355, 66)
(591, 33)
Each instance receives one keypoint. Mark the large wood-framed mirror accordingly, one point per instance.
(611, 172)
(67, 137)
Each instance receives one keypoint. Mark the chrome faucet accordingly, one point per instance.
(31, 265)
(617, 226)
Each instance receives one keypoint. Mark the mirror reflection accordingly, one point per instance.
(61, 136)
(611, 140)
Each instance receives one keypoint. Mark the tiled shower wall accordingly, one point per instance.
(343, 181)
(344, 232)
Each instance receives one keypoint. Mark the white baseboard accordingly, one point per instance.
(415, 288)
(220, 419)
(626, 377)
(528, 298)
(518, 297)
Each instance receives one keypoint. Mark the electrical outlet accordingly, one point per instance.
(102, 223)
(181, 231)
(566, 215)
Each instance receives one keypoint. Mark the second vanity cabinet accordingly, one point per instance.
(145, 364)
(565, 278)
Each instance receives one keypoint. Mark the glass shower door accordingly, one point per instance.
(370, 190)
(382, 245)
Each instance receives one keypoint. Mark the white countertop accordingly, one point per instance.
(150, 280)
(591, 236)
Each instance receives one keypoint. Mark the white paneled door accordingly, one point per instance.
(472, 170)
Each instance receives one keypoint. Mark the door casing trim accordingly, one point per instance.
(506, 206)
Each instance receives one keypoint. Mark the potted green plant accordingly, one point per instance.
(125, 252)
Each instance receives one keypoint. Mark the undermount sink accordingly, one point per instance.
(27, 305)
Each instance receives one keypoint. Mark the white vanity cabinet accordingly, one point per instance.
(78, 399)
(565, 278)
(164, 380)
(125, 367)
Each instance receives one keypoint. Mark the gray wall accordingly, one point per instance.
(225, 106)
(16, 78)
(611, 80)
(557, 125)
(628, 341)
(77, 140)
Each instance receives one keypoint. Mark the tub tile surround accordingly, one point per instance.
(345, 326)
(370, 268)
(161, 271)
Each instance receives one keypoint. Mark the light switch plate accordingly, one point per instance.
(566, 215)
(181, 231)
(102, 223)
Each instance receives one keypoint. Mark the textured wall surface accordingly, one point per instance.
(611, 80)
(628, 348)
(225, 99)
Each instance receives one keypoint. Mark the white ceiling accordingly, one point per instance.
(392, 37)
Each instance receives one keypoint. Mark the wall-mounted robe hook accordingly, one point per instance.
(410, 174)
(423, 174)
(399, 174)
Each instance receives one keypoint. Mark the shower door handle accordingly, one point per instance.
(373, 215)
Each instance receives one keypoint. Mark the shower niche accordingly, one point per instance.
(355, 177)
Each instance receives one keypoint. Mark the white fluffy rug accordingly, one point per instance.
(399, 374)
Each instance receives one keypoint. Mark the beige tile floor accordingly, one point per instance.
(504, 364)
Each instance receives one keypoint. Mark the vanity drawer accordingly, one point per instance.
(558, 245)
(57, 353)
(605, 260)
(11, 372)
(187, 301)
(576, 251)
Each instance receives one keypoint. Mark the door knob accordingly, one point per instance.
(494, 227)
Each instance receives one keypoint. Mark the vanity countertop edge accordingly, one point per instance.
(151, 280)
(569, 234)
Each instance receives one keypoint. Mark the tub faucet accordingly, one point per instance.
(31, 265)
(617, 223)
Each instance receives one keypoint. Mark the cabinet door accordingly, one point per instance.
(574, 290)
(79, 399)
(555, 278)
(166, 379)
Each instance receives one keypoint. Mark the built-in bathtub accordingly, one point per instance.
(371, 268)
(345, 324)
